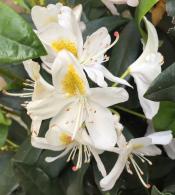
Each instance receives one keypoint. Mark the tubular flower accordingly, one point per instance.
(57, 139)
(66, 34)
(74, 103)
(146, 68)
(139, 148)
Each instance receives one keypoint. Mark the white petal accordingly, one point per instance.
(42, 16)
(35, 126)
(133, 3)
(48, 107)
(96, 76)
(113, 78)
(162, 138)
(108, 96)
(77, 10)
(96, 43)
(146, 68)
(100, 125)
(41, 143)
(170, 149)
(51, 159)
(110, 6)
(60, 68)
(149, 151)
(32, 68)
(109, 181)
(100, 164)
(68, 117)
(139, 143)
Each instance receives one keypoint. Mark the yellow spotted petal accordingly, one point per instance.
(65, 138)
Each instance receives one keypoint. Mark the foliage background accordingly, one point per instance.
(22, 167)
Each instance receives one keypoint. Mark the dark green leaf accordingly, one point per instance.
(170, 7)
(144, 7)
(34, 180)
(165, 118)
(3, 134)
(27, 153)
(8, 180)
(163, 87)
(18, 42)
(4, 120)
(110, 22)
(155, 191)
(126, 50)
(52, 169)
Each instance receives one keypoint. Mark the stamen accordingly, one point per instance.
(138, 173)
(102, 52)
(25, 95)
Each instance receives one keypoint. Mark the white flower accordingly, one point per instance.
(146, 68)
(110, 4)
(169, 148)
(58, 139)
(139, 147)
(44, 16)
(67, 35)
(36, 89)
(74, 103)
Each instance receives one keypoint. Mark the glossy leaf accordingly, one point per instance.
(18, 42)
(165, 118)
(110, 22)
(142, 9)
(163, 87)
(8, 181)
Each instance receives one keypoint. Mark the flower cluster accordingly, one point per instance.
(82, 124)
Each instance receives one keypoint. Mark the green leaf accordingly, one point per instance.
(18, 42)
(4, 120)
(3, 134)
(34, 180)
(155, 191)
(110, 22)
(72, 182)
(142, 9)
(8, 180)
(163, 87)
(170, 7)
(165, 118)
(52, 169)
(126, 50)
(27, 154)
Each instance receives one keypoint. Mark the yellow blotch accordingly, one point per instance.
(138, 146)
(65, 44)
(72, 82)
(65, 138)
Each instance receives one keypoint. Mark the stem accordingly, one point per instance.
(130, 112)
(12, 144)
(124, 75)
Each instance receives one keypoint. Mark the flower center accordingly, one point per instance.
(65, 138)
(65, 44)
(72, 82)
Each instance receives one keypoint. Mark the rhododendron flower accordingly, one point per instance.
(74, 103)
(146, 68)
(139, 147)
